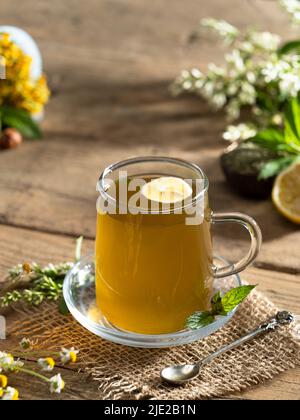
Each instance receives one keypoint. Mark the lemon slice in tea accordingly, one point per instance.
(286, 193)
(167, 190)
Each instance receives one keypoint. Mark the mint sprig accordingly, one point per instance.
(220, 305)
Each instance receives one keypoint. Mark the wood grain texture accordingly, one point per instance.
(110, 64)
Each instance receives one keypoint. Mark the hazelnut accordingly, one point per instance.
(10, 138)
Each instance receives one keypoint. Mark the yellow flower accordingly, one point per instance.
(11, 394)
(18, 89)
(3, 381)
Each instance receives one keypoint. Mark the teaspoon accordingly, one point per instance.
(180, 374)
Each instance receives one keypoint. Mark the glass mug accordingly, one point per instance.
(154, 267)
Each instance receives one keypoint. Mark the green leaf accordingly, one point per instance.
(234, 297)
(62, 307)
(21, 120)
(275, 166)
(292, 122)
(199, 320)
(78, 248)
(289, 47)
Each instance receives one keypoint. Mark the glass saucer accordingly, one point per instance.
(79, 294)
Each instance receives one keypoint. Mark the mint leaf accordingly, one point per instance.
(289, 47)
(199, 320)
(234, 297)
(21, 120)
(275, 166)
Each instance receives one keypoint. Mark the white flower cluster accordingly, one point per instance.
(293, 8)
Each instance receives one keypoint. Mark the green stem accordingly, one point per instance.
(33, 373)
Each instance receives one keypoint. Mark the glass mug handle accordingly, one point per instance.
(256, 239)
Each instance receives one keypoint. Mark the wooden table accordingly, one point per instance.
(109, 64)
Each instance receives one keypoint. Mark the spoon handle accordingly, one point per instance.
(281, 318)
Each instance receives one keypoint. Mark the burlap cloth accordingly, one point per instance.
(131, 373)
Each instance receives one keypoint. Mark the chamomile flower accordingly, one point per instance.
(68, 355)
(19, 89)
(224, 29)
(293, 8)
(57, 384)
(46, 364)
(10, 394)
(239, 132)
(26, 343)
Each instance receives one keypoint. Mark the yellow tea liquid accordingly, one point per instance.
(152, 270)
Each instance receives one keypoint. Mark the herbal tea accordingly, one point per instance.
(153, 270)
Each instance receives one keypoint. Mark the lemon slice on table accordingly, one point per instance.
(167, 190)
(286, 193)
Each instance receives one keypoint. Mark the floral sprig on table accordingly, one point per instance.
(10, 365)
(220, 306)
(33, 284)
